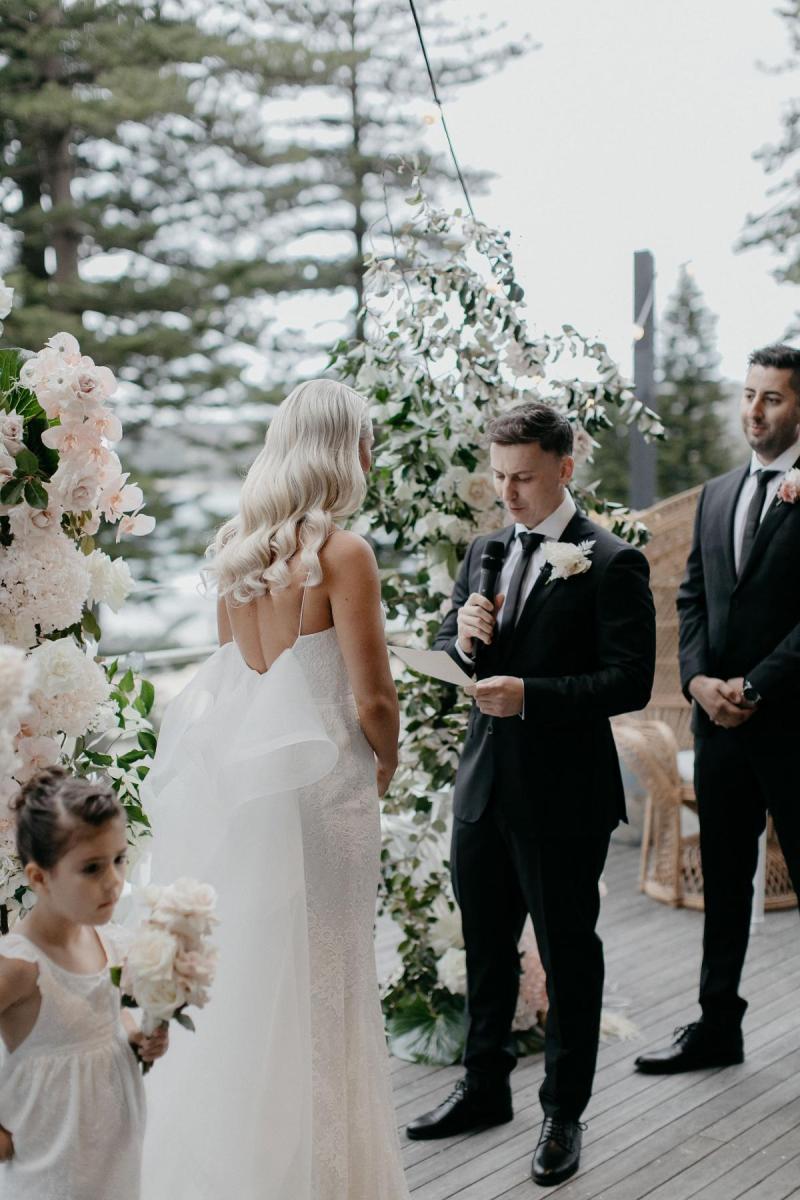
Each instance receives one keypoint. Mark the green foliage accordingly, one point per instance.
(428, 1030)
(446, 347)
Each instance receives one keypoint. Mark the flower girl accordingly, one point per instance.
(71, 1095)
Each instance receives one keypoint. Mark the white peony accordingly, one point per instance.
(451, 971)
(59, 664)
(111, 581)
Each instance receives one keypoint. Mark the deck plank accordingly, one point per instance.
(712, 1135)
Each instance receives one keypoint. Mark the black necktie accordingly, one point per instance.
(510, 610)
(754, 515)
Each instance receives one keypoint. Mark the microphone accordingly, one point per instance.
(491, 566)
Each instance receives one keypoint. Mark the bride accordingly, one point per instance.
(266, 784)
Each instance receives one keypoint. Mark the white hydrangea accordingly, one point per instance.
(44, 581)
(111, 581)
(17, 677)
(73, 690)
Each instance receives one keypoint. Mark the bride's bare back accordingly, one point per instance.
(348, 598)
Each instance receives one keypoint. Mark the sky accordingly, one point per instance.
(632, 127)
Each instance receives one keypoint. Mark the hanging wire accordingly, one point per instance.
(441, 109)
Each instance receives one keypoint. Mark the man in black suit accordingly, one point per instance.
(538, 789)
(739, 607)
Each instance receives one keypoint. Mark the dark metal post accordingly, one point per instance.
(642, 457)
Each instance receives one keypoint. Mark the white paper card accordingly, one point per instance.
(435, 663)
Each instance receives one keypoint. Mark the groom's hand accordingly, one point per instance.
(500, 695)
(476, 620)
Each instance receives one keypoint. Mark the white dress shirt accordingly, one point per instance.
(781, 464)
(552, 527)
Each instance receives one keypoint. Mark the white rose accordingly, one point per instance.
(159, 1001)
(111, 581)
(186, 908)
(12, 428)
(150, 961)
(451, 971)
(477, 491)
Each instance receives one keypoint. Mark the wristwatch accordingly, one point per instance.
(750, 695)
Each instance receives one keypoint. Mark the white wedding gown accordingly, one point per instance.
(264, 786)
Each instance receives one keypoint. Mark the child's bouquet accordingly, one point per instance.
(170, 962)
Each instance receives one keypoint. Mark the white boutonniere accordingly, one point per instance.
(567, 559)
(789, 487)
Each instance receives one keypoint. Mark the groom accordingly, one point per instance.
(538, 789)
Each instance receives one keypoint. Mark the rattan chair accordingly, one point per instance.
(656, 745)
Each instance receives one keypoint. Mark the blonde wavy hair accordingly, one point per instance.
(307, 477)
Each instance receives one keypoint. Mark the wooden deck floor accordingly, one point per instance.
(714, 1135)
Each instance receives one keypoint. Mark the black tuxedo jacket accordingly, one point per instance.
(585, 648)
(749, 626)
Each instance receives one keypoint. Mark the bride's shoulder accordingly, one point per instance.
(347, 551)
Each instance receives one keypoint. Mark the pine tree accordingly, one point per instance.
(368, 119)
(136, 194)
(173, 175)
(779, 225)
(691, 400)
(691, 403)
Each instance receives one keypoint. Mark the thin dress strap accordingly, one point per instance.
(302, 607)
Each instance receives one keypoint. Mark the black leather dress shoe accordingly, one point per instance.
(468, 1107)
(558, 1153)
(696, 1046)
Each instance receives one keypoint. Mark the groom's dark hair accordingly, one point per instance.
(532, 423)
(783, 358)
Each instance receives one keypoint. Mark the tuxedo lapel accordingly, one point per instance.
(728, 502)
(773, 518)
(543, 590)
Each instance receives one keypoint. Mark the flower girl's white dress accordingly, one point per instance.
(264, 785)
(71, 1094)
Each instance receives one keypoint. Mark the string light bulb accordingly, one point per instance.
(638, 332)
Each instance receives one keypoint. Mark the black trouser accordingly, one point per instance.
(735, 786)
(500, 875)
